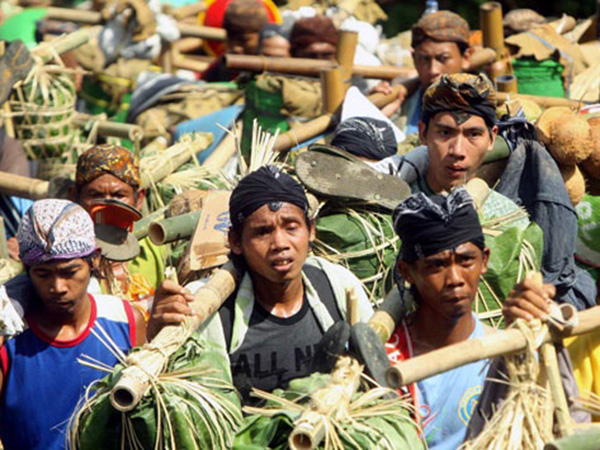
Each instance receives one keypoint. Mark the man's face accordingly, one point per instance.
(105, 187)
(61, 285)
(318, 50)
(274, 243)
(433, 59)
(275, 46)
(455, 151)
(447, 281)
(243, 44)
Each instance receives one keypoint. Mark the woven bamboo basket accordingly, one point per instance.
(43, 110)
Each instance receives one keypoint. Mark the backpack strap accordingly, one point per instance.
(226, 313)
(322, 285)
(319, 281)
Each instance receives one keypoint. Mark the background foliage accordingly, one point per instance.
(404, 13)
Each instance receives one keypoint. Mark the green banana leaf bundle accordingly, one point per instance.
(513, 253)
(373, 422)
(364, 241)
(193, 405)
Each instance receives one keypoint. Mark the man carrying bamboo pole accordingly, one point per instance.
(42, 379)
(440, 43)
(442, 257)
(457, 129)
(243, 20)
(112, 172)
(285, 302)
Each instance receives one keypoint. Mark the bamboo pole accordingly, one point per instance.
(352, 315)
(180, 62)
(74, 15)
(141, 227)
(507, 83)
(20, 186)
(308, 67)
(303, 132)
(182, 152)
(496, 344)
(346, 49)
(188, 10)
(544, 102)
(3, 247)
(198, 31)
(492, 28)
(224, 151)
(334, 89)
(90, 17)
(63, 44)
(109, 128)
(174, 228)
(148, 363)
(550, 361)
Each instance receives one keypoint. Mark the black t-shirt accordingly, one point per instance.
(275, 350)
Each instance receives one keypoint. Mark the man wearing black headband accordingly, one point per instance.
(442, 257)
(457, 129)
(285, 301)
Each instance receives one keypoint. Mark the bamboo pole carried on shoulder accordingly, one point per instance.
(490, 346)
(25, 187)
(148, 363)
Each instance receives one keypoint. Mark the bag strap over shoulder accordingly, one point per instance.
(318, 279)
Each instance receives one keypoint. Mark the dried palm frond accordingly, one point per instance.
(524, 420)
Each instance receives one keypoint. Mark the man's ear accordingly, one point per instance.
(466, 59)
(422, 133)
(72, 192)
(235, 242)
(494, 135)
(141, 196)
(312, 231)
(486, 259)
(404, 269)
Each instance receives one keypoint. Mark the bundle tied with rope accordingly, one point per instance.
(42, 110)
(524, 420)
(331, 411)
(174, 392)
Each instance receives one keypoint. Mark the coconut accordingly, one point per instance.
(574, 182)
(544, 122)
(570, 140)
(591, 166)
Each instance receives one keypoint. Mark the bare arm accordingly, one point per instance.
(170, 307)
(140, 327)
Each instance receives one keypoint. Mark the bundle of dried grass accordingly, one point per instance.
(525, 419)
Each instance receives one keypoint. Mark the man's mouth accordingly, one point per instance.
(282, 264)
(456, 171)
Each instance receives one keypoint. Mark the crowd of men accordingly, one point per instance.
(274, 325)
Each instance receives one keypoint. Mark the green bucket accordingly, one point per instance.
(22, 26)
(542, 78)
